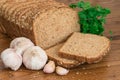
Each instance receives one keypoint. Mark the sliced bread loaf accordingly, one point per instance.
(45, 22)
(85, 47)
(53, 55)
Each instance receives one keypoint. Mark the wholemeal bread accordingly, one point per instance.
(85, 47)
(46, 23)
(53, 55)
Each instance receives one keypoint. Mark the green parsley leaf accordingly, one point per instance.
(91, 18)
(111, 35)
(73, 5)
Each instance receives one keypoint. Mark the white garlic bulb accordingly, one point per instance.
(21, 43)
(11, 59)
(34, 58)
(49, 67)
(61, 70)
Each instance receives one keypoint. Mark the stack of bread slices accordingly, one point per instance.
(78, 49)
(54, 27)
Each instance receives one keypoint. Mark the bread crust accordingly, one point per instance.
(64, 64)
(81, 59)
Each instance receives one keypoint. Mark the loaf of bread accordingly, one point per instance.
(64, 62)
(85, 47)
(45, 22)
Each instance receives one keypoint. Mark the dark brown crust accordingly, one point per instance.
(63, 64)
(2, 29)
(13, 33)
(81, 59)
(85, 59)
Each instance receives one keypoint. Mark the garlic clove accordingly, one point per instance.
(34, 58)
(19, 51)
(11, 59)
(49, 67)
(61, 70)
(21, 43)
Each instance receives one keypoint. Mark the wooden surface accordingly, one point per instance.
(107, 69)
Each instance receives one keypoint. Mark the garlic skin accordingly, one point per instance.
(49, 67)
(11, 59)
(34, 58)
(61, 71)
(21, 44)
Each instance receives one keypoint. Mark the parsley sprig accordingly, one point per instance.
(91, 18)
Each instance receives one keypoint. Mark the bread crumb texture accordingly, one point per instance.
(86, 47)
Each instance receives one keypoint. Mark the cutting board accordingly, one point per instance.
(107, 69)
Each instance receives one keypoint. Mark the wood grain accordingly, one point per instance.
(107, 69)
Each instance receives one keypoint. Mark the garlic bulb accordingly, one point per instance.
(34, 58)
(49, 67)
(11, 59)
(21, 43)
(61, 70)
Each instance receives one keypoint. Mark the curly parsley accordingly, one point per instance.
(91, 18)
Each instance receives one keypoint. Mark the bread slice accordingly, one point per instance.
(45, 22)
(53, 55)
(85, 47)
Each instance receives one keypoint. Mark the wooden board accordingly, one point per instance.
(107, 69)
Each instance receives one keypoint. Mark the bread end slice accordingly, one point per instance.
(85, 47)
(53, 55)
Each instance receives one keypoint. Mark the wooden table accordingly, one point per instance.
(107, 69)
